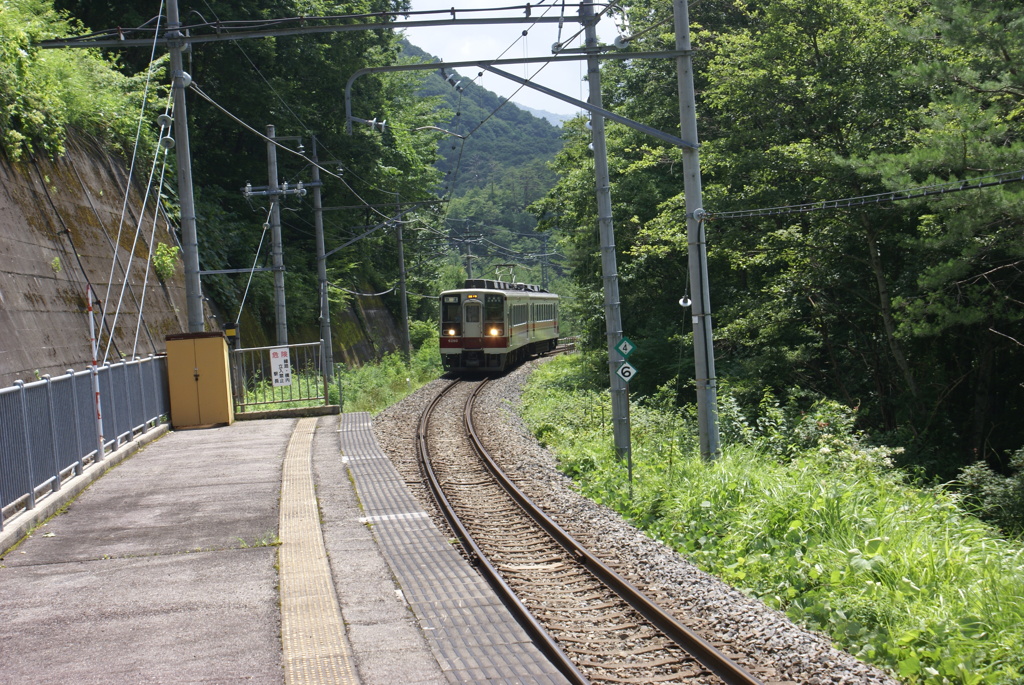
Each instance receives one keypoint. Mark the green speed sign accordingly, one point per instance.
(625, 347)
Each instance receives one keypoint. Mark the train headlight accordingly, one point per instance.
(495, 331)
(451, 332)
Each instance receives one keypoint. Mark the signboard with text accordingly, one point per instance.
(280, 366)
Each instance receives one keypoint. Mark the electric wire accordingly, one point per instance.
(128, 183)
(199, 91)
(256, 259)
(149, 256)
(284, 103)
(138, 231)
(352, 292)
(451, 188)
(541, 68)
(240, 25)
(877, 198)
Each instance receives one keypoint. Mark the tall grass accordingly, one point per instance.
(801, 513)
(374, 387)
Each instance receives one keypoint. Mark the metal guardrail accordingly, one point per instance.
(49, 430)
(253, 377)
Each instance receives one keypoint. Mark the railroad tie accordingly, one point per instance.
(312, 632)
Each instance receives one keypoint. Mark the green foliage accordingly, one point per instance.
(492, 176)
(165, 260)
(374, 387)
(306, 390)
(805, 515)
(44, 92)
(995, 497)
(295, 83)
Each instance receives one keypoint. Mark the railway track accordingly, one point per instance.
(590, 621)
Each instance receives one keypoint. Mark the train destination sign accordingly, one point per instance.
(626, 372)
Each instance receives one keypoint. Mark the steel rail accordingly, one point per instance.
(692, 643)
(547, 644)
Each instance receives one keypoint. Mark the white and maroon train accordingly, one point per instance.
(492, 325)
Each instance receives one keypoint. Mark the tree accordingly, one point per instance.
(295, 83)
(886, 307)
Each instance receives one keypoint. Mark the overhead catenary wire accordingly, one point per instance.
(228, 27)
(284, 102)
(561, 44)
(541, 68)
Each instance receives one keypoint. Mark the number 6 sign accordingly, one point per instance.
(626, 371)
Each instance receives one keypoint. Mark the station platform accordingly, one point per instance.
(269, 551)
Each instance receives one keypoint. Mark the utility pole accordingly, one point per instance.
(697, 256)
(609, 267)
(406, 343)
(276, 249)
(189, 238)
(544, 262)
(321, 266)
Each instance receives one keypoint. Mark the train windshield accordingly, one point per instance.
(450, 309)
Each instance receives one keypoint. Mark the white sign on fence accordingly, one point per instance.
(280, 366)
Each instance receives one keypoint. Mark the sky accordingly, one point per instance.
(453, 44)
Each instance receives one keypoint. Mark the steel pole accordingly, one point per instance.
(276, 250)
(703, 342)
(189, 240)
(321, 264)
(406, 344)
(609, 267)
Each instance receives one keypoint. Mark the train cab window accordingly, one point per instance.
(473, 312)
(451, 309)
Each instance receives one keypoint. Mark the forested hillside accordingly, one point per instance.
(498, 166)
(910, 311)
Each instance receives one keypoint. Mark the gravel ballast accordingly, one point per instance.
(756, 635)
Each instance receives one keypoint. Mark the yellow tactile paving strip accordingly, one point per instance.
(312, 632)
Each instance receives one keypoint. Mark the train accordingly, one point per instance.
(489, 326)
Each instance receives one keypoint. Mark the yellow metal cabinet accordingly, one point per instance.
(199, 380)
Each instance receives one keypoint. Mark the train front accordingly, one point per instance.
(474, 336)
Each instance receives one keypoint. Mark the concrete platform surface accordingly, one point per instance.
(246, 554)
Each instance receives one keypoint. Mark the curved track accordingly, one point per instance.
(590, 621)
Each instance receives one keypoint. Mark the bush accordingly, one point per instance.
(374, 387)
(44, 92)
(995, 498)
(165, 260)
